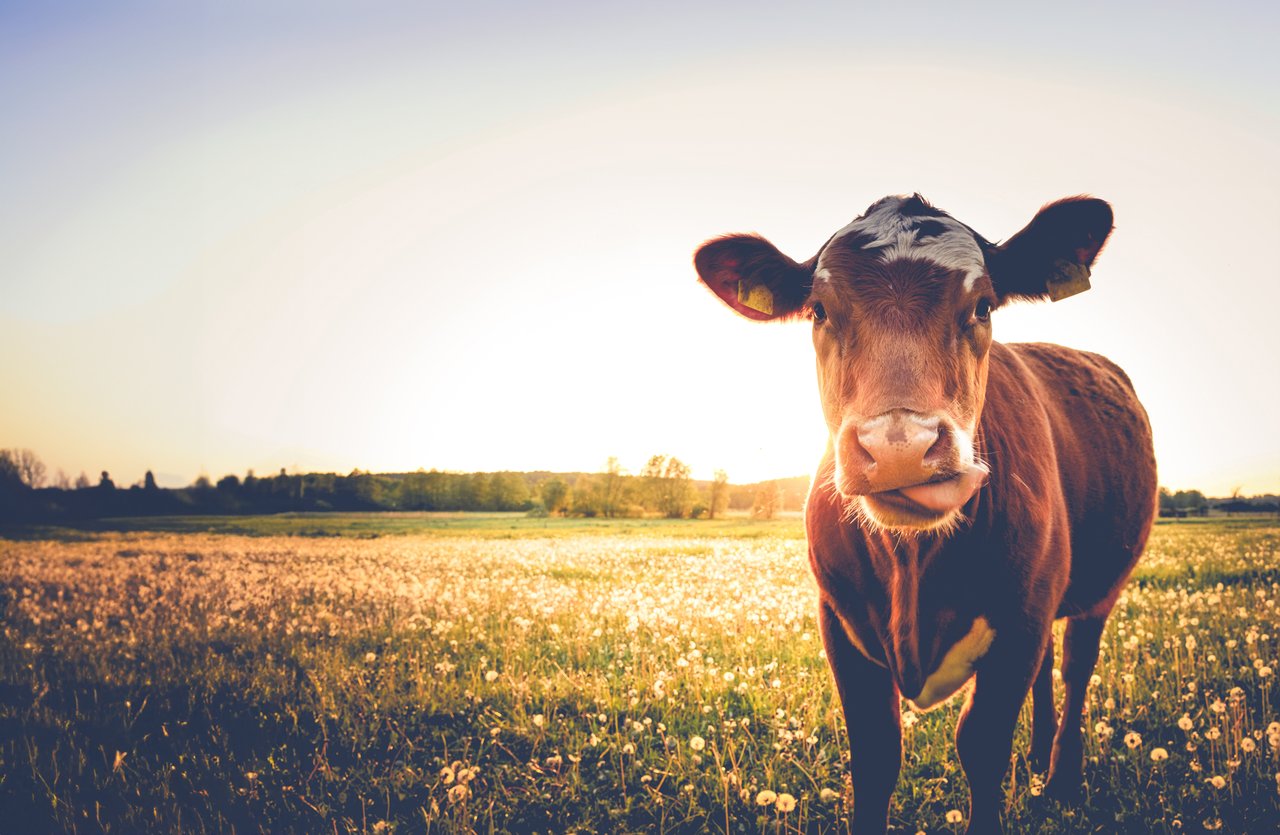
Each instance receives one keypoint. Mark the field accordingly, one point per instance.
(456, 674)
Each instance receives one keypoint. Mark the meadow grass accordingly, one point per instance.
(451, 674)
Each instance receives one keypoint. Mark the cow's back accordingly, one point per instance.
(1102, 439)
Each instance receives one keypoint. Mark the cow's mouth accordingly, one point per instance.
(928, 502)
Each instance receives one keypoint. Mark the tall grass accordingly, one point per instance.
(668, 679)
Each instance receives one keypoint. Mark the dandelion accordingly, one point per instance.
(1217, 781)
(955, 816)
(786, 803)
(697, 743)
(1185, 722)
(1159, 755)
(766, 798)
(1132, 739)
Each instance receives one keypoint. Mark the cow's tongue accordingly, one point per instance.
(944, 496)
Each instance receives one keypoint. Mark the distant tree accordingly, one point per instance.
(768, 499)
(719, 498)
(612, 488)
(105, 482)
(587, 495)
(507, 491)
(555, 495)
(28, 467)
(82, 481)
(668, 486)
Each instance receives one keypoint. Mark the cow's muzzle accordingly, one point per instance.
(911, 461)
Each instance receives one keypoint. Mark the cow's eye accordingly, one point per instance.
(819, 312)
(982, 311)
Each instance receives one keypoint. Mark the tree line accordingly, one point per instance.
(663, 487)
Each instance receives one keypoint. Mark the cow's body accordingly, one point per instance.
(1061, 519)
(971, 492)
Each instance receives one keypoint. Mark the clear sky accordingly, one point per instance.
(316, 235)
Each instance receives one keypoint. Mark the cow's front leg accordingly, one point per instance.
(873, 719)
(984, 734)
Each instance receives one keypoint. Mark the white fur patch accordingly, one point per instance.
(957, 666)
(955, 249)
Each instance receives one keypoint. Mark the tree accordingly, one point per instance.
(555, 495)
(26, 465)
(719, 499)
(612, 488)
(768, 499)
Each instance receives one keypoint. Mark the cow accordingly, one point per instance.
(971, 492)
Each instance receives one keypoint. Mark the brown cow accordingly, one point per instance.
(971, 492)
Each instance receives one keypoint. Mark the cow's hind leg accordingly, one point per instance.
(873, 718)
(1079, 655)
(1044, 718)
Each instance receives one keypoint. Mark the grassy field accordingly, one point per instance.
(411, 673)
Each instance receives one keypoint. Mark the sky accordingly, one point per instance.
(391, 236)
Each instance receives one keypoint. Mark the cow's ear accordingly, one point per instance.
(750, 275)
(1051, 257)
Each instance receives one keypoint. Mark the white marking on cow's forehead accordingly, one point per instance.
(897, 236)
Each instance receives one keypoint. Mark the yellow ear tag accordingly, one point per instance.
(758, 297)
(1068, 279)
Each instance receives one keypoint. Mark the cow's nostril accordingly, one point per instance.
(941, 449)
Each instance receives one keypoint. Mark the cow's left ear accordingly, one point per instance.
(1051, 257)
(751, 276)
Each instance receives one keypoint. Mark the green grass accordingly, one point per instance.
(321, 673)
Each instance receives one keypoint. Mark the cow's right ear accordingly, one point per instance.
(750, 275)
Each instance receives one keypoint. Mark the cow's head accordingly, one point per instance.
(901, 301)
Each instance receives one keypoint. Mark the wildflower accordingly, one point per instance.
(1159, 755)
(1217, 781)
(697, 743)
(1185, 722)
(786, 803)
(1132, 739)
(766, 798)
(954, 816)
